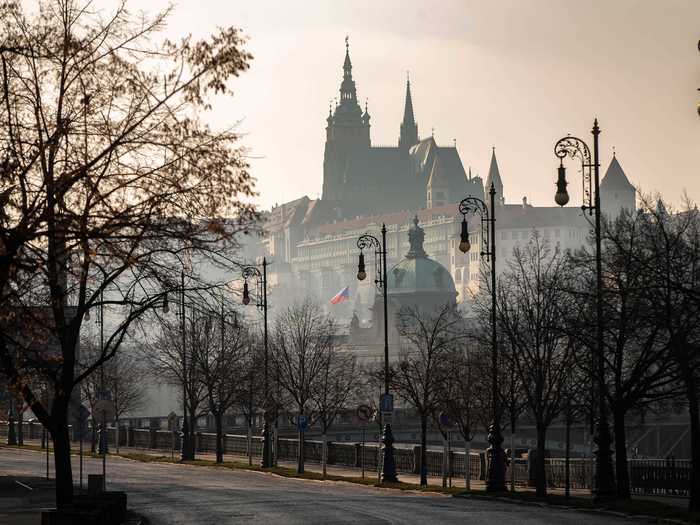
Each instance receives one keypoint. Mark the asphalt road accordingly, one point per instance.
(183, 494)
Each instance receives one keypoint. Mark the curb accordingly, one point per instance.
(642, 518)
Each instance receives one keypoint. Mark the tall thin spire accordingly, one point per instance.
(494, 177)
(408, 117)
(348, 93)
(408, 135)
(347, 65)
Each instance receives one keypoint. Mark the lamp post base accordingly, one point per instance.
(496, 473)
(11, 434)
(388, 465)
(604, 488)
(185, 441)
(266, 461)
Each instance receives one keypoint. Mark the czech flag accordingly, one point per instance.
(342, 295)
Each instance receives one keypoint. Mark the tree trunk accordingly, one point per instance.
(324, 454)
(540, 472)
(512, 458)
(62, 464)
(116, 441)
(467, 464)
(250, 441)
(93, 436)
(691, 385)
(623, 479)
(300, 455)
(567, 460)
(20, 419)
(219, 437)
(423, 451)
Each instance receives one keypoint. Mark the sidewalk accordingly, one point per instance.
(355, 472)
(23, 498)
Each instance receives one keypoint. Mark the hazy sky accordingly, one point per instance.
(517, 74)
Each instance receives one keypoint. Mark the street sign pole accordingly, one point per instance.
(363, 453)
(81, 455)
(449, 456)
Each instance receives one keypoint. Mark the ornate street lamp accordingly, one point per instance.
(604, 477)
(367, 241)
(496, 473)
(261, 278)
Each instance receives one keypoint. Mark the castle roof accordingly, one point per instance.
(494, 177)
(437, 178)
(615, 178)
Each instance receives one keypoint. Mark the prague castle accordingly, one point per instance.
(362, 179)
(312, 242)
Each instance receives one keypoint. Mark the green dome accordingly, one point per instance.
(417, 272)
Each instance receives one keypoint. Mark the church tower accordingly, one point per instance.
(494, 177)
(347, 134)
(408, 135)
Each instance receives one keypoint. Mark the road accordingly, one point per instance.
(185, 494)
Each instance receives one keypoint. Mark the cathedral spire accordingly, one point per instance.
(348, 93)
(347, 65)
(494, 177)
(408, 117)
(408, 135)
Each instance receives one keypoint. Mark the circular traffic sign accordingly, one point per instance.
(445, 419)
(364, 413)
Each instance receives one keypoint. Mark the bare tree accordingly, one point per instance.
(107, 173)
(123, 378)
(300, 345)
(532, 295)
(420, 377)
(178, 367)
(639, 365)
(673, 240)
(250, 394)
(221, 349)
(336, 388)
(461, 402)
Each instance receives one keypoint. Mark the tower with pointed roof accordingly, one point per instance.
(494, 177)
(347, 134)
(408, 134)
(616, 191)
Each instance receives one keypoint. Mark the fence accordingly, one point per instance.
(647, 476)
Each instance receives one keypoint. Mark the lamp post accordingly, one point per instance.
(364, 242)
(496, 474)
(604, 477)
(261, 278)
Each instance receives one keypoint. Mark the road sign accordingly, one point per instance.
(302, 423)
(364, 413)
(445, 419)
(386, 404)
